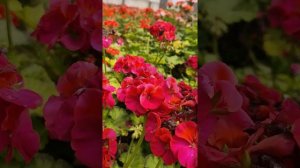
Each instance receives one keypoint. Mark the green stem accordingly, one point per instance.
(8, 24)
(130, 147)
(136, 149)
(158, 163)
(160, 59)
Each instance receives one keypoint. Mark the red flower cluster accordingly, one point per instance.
(74, 115)
(243, 120)
(109, 148)
(16, 130)
(285, 14)
(76, 25)
(163, 31)
(193, 62)
(111, 24)
(166, 103)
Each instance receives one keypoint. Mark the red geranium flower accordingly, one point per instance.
(160, 146)
(109, 148)
(193, 62)
(184, 144)
(152, 97)
(163, 31)
(111, 23)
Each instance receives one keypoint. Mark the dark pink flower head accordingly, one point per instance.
(163, 31)
(160, 146)
(76, 77)
(54, 22)
(193, 62)
(74, 115)
(285, 14)
(16, 131)
(217, 88)
(8, 74)
(184, 144)
(110, 147)
(76, 25)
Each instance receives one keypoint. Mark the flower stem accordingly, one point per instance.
(136, 149)
(8, 24)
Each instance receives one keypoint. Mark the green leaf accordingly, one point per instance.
(36, 78)
(151, 162)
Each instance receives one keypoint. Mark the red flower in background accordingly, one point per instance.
(111, 24)
(112, 51)
(163, 31)
(145, 23)
(193, 62)
(16, 131)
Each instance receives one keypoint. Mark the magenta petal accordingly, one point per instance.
(230, 97)
(22, 97)
(187, 157)
(58, 113)
(240, 118)
(219, 71)
(177, 144)
(152, 124)
(25, 139)
(86, 137)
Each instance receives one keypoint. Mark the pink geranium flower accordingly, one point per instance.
(184, 144)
